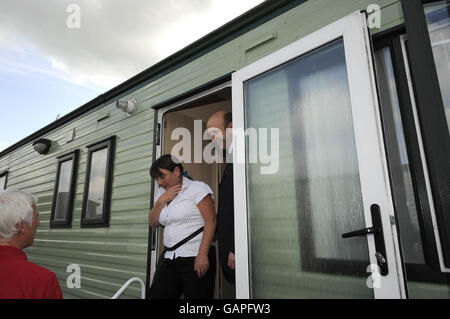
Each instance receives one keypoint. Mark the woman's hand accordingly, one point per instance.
(201, 265)
(170, 194)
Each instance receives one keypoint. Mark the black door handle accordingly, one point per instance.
(377, 231)
(362, 232)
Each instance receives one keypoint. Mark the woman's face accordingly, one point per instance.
(168, 179)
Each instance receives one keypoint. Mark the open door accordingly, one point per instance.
(320, 222)
(190, 115)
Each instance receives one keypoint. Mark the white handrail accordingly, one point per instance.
(129, 282)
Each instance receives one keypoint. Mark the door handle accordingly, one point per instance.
(377, 231)
(362, 232)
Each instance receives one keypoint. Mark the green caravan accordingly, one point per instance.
(344, 194)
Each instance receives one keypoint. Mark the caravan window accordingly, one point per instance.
(97, 191)
(3, 180)
(64, 190)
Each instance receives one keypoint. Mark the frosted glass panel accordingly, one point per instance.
(297, 216)
(62, 197)
(438, 19)
(97, 183)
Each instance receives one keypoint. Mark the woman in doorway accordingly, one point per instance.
(183, 207)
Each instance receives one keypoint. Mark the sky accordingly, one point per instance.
(56, 55)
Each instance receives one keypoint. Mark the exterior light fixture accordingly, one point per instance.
(42, 146)
(130, 106)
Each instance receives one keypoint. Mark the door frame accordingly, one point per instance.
(437, 245)
(431, 115)
(373, 173)
(160, 112)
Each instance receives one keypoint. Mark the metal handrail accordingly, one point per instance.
(129, 282)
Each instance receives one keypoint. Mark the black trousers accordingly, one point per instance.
(177, 277)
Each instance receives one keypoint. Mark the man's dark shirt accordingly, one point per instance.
(225, 221)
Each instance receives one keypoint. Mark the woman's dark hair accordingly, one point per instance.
(167, 162)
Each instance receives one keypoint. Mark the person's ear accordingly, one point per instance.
(230, 125)
(19, 226)
(177, 171)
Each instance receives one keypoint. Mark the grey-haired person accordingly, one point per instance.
(19, 278)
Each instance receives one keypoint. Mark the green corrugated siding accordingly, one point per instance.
(110, 256)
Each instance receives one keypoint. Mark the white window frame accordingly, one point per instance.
(373, 173)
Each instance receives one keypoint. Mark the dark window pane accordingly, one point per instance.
(438, 19)
(63, 195)
(97, 183)
(2, 183)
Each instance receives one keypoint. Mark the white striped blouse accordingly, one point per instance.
(182, 218)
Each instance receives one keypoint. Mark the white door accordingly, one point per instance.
(320, 172)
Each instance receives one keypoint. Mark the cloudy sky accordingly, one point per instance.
(56, 55)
